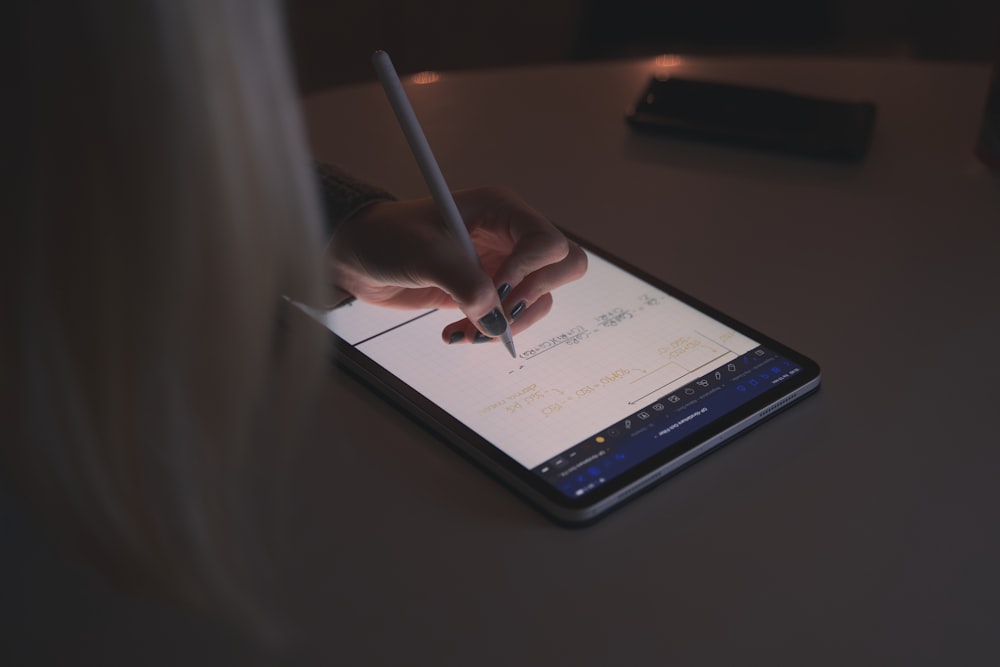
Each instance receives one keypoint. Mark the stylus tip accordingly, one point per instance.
(508, 342)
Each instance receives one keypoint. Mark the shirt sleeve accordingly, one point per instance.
(343, 195)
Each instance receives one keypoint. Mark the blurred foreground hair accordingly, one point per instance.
(161, 202)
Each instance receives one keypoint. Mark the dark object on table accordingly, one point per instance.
(760, 118)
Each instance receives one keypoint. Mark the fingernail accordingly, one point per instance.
(516, 311)
(480, 338)
(456, 337)
(503, 291)
(494, 323)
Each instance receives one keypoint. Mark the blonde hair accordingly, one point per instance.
(163, 202)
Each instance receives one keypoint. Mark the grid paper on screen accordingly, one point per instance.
(611, 345)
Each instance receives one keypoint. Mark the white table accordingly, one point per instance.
(861, 527)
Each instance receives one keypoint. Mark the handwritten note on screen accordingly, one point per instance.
(611, 344)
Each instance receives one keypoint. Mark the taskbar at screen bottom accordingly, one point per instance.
(665, 422)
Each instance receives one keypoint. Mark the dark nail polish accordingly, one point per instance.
(456, 337)
(503, 291)
(516, 311)
(480, 338)
(494, 323)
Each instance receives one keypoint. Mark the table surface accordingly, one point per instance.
(859, 527)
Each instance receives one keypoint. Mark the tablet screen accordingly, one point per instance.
(618, 372)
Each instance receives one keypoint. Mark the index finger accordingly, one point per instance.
(534, 242)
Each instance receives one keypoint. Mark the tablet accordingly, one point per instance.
(626, 381)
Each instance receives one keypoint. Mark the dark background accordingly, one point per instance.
(332, 39)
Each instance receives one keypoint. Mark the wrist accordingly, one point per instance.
(344, 196)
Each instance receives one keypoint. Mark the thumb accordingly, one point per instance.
(474, 293)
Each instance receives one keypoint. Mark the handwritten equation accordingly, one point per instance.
(579, 333)
(550, 400)
(650, 372)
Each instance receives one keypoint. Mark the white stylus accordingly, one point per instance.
(421, 150)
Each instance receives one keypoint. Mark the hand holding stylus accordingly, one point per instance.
(398, 254)
(492, 248)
